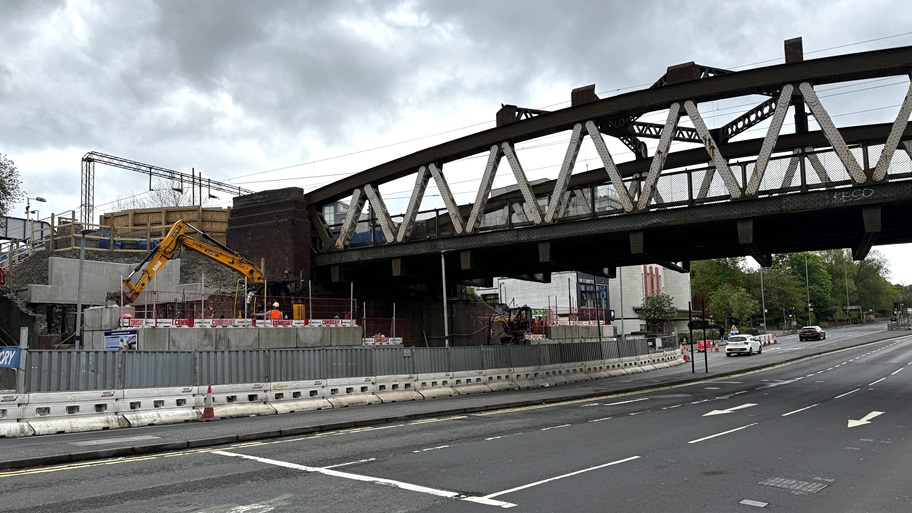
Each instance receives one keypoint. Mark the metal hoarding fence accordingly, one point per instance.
(57, 371)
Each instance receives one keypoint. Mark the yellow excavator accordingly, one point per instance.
(509, 325)
(178, 237)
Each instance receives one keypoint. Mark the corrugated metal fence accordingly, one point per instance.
(58, 371)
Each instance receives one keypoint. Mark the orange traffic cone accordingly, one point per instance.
(208, 410)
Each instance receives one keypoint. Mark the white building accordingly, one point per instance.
(573, 294)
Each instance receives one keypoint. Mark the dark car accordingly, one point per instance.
(811, 333)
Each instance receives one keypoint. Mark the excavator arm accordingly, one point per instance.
(169, 246)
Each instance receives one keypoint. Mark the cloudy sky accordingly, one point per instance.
(273, 94)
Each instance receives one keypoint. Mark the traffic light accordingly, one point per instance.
(698, 325)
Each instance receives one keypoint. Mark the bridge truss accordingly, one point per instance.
(808, 190)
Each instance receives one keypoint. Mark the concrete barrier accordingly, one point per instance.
(499, 380)
(346, 392)
(391, 389)
(151, 406)
(64, 412)
(296, 396)
(434, 385)
(241, 400)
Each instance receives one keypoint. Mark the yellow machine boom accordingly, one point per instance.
(169, 246)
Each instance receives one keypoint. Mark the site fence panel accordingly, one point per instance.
(343, 362)
(496, 357)
(297, 365)
(62, 371)
(146, 369)
(465, 359)
(58, 371)
(431, 359)
(611, 348)
(391, 360)
(7, 379)
(580, 352)
(236, 366)
(524, 356)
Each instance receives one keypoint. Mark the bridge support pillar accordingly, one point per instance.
(273, 226)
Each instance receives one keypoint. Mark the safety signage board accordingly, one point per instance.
(9, 357)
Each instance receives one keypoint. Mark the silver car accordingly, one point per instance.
(743, 344)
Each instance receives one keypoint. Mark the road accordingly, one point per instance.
(828, 433)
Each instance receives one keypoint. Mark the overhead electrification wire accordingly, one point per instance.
(606, 92)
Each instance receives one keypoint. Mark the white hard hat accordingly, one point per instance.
(276, 304)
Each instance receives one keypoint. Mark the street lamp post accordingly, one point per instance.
(83, 233)
(807, 285)
(762, 299)
(446, 326)
(28, 210)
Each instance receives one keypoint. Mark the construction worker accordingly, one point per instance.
(275, 313)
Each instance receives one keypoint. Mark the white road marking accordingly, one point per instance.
(729, 410)
(896, 371)
(369, 479)
(847, 393)
(712, 388)
(722, 433)
(555, 478)
(876, 382)
(556, 427)
(116, 440)
(430, 449)
(599, 420)
(799, 410)
(350, 463)
(730, 382)
(625, 402)
(748, 502)
(865, 420)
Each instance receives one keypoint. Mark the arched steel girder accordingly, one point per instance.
(866, 65)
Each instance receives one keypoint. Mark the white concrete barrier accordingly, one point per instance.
(295, 396)
(240, 400)
(470, 382)
(62, 412)
(391, 389)
(434, 385)
(151, 406)
(499, 380)
(343, 392)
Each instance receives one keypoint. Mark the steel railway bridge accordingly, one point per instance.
(722, 195)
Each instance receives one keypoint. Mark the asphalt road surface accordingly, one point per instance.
(824, 434)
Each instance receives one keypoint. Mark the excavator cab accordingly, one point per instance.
(510, 325)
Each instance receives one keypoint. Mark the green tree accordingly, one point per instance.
(657, 310)
(9, 186)
(707, 276)
(809, 270)
(732, 305)
(874, 291)
(781, 291)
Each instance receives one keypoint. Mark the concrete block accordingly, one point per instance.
(277, 338)
(346, 336)
(192, 339)
(314, 337)
(154, 339)
(236, 338)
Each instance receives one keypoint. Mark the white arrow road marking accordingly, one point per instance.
(721, 412)
(865, 420)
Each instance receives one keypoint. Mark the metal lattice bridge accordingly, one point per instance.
(781, 176)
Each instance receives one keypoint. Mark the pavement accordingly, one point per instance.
(75, 447)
